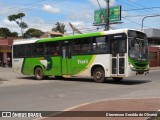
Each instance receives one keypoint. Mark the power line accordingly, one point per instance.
(138, 15)
(145, 8)
(134, 22)
(100, 6)
(137, 4)
(129, 5)
(32, 6)
(23, 7)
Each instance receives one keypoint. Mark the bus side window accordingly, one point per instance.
(56, 50)
(86, 45)
(114, 47)
(100, 45)
(52, 48)
(82, 46)
(77, 47)
(38, 49)
(122, 46)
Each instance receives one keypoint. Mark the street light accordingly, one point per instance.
(147, 17)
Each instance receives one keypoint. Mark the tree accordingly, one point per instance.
(14, 34)
(23, 26)
(32, 32)
(12, 17)
(4, 32)
(18, 19)
(59, 27)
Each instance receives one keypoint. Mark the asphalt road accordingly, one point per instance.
(24, 93)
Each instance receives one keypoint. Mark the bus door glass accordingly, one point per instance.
(118, 50)
(66, 58)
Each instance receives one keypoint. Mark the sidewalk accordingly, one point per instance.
(130, 105)
(155, 68)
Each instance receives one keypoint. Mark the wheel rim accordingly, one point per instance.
(98, 75)
(38, 73)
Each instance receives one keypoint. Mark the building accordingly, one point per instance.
(154, 46)
(5, 49)
(6, 45)
(51, 34)
(153, 36)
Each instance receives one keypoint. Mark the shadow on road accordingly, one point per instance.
(3, 79)
(90, 80)
(128, 82)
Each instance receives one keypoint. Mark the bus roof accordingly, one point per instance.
(94, 34)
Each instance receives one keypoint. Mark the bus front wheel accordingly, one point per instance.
(39, 73)
(99, 75)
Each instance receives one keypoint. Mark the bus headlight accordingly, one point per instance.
(148, 67)
(131, 66)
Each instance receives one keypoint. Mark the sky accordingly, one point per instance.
(43, 14)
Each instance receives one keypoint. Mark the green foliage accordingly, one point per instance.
(14, 34)
(59, 27)
(20, 15)
(32, 32)
(18, 19)
(23, 25)
(5, 32)
(12, 17)
(15, 17)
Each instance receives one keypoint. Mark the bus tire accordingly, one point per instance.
(99, 75)
(38, 72)
(117, 79)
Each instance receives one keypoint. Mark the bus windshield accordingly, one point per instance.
(138, 46)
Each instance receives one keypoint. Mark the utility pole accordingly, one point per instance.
(107, 15)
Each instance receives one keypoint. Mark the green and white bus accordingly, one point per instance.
(116, 53)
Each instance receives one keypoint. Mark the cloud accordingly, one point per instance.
(84, 13)
(51, 9)
(36, 23)
(7, 24)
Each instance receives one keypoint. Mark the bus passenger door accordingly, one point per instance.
(66, 58)
(118, 50)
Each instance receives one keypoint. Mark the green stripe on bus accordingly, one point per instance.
(69, 37)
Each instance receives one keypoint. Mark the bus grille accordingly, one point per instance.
(140, 65)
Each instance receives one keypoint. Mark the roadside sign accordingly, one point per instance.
(114, 15)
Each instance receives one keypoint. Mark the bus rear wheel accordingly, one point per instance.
(99, 75)
(117, 79)
(38, 72)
